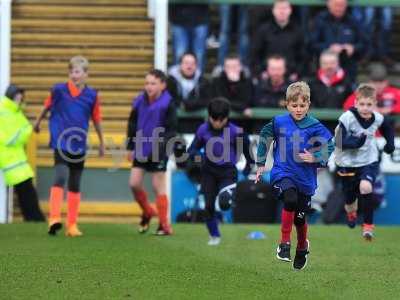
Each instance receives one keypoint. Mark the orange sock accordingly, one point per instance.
(55, 202)
(162, 207)
(73, 207)
(141, 198)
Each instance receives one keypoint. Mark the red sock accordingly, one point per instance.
(162, 207)
(55, 203)
(302, 236)
(141, 198)
(74, 199)
(286, 226)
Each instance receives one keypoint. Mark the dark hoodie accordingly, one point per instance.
(271, 39)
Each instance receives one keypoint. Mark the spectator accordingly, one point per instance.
(280, 36)
(368, 17)
(271, 88)
(190, 90)
(334, 29)
(189, 30)
(388, 96)
(226, 12)
(14, 134)
(331, 86)
(233, 85)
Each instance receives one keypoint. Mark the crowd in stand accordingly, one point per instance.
(325, 50)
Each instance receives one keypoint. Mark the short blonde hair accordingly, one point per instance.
(79, 61)
(366, 90)
(296, 90)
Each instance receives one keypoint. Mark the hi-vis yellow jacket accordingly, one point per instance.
(15, 131)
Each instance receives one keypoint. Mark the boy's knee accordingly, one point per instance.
(365, 187)
(290, 199)
(61, 175)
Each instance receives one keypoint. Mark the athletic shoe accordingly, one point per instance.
(368, 232)
(144, 224)
(300, 260)
(214, 241)
(163, 230)
(283, 252)
(73, 231)
(54, 226)
(352, 219)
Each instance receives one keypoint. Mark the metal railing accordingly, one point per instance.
(323, 114)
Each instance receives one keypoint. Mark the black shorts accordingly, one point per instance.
(73, 161)
(303, 201)
(151, 166)
(351, 177)
(368, 172)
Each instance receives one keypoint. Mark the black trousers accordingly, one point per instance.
(28, 201)
(213, 179)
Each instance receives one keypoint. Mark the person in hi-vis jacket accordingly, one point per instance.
(14, 134)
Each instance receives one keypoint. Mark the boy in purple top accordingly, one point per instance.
(220, 140)
(152, 123)
(72, 105)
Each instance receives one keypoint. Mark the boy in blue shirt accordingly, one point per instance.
(72, 104)
(221, 140)
(301, 145)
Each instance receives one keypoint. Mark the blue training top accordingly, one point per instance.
(70, 116)
(290, 138)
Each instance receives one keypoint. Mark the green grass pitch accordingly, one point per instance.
(112, 261)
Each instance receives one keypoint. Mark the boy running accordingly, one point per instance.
(301, 145)
(357, 155)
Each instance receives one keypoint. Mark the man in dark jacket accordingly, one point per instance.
(190, 90)
(233, 85)
(334, 29)
(280, 36)
(271, 88)
(331, 85)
